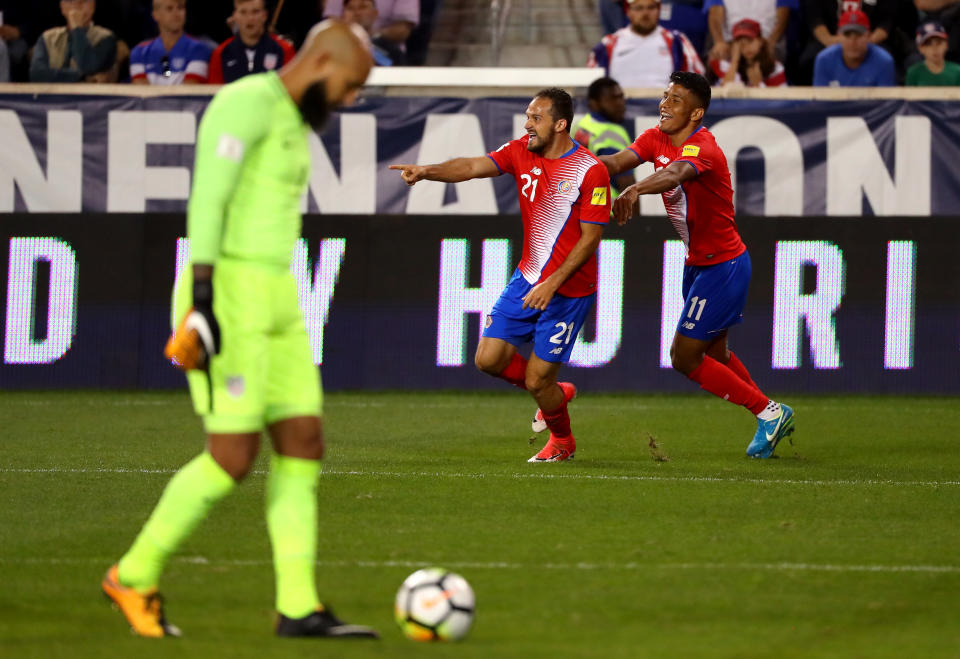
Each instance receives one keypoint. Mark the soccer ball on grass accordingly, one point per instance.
(434, 604)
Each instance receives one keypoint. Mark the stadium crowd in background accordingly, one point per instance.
(394, 22)
(795, 32)
(79, 51)
(174, 41)
(253, 49)
(771, 15)
(386, 52)
(644, 53)
(856, 61)
(41, 44)
(173, 57)
(935, 70)
(752, 60)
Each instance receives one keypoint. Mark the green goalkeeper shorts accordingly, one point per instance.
(265, 371)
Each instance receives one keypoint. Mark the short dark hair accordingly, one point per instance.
(562, 104)
(695, 83)
(600, 86)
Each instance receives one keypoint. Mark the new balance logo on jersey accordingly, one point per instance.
(536, 171)
(687, 324)
(663, 159)
(557, 350)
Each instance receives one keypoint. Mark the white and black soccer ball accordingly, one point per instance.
(434, 604)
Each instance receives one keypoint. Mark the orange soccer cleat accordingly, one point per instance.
(144, 611)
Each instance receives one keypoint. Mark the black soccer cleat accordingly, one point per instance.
(322, 623)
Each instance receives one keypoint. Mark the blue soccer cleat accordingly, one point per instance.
(769, 433)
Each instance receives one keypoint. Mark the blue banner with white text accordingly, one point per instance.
(115, 154)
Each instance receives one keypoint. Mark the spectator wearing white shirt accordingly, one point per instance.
(644, 53)
(395, 22)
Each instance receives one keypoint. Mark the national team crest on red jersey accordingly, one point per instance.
(555, 196)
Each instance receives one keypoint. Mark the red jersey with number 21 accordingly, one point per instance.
(701, 209)
(556, 195)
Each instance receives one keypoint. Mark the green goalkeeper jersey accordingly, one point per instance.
(251, 170)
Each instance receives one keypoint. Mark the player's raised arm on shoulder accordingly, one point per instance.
(451, 171)
(662, 180)
(617, 163)
(667, 178)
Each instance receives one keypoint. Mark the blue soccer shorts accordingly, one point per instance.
(714, 297)
(553, 331)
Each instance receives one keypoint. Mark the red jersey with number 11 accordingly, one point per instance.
(701, 209)
(556, 195)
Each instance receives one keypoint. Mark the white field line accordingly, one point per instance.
(501, 565)
(523, 476)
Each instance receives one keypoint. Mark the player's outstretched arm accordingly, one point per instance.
(451, 171)
(662, 180)
(622, 161)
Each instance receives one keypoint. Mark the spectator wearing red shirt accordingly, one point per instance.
(252, 50)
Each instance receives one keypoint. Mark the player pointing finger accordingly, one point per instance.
(564, 195)
(410, 173)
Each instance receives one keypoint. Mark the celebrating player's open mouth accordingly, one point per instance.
(532, 144)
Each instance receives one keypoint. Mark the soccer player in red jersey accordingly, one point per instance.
(694, 180)
(564, 194)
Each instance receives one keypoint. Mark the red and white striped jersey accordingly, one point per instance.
(556, 195)
(701, 209)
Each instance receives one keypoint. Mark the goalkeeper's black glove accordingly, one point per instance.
(197, 339)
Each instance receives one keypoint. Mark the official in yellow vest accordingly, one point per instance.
(602, 130)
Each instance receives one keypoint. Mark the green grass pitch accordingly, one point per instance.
(847, 545)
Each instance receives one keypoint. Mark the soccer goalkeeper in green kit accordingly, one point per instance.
(241, 336)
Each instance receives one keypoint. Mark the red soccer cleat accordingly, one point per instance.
(556, 450)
